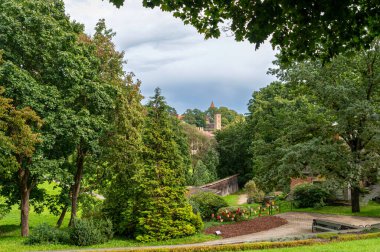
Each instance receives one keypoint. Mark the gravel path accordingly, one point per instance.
(242, 199)
(298, 224)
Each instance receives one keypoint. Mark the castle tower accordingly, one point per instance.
(218, 121)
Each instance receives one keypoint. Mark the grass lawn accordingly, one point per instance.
(370, 210)
(10, 239)
(232, 199)
(369, 245)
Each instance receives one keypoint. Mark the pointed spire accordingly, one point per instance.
(212, 104)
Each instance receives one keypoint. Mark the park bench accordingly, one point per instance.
(320, 225)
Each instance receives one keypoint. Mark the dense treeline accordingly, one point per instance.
(71, 116)
(318, 119)
(198, 117)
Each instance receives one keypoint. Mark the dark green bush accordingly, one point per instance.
(207, 203)
(47, 234)
(90, 231)
(310, 195)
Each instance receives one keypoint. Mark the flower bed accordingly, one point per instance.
(248, 227)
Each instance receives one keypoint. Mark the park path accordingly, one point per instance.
(298, 224)
(242, 199)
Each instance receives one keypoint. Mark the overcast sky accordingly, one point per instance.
(163, 52)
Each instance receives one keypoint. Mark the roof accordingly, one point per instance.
(212, 105)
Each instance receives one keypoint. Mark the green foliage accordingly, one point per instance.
(197, 117)
(122, 144)
(46, 234)
(310, 195)
(204, 157)
(303, 29)
(61, 82)
(162, 210)
(320, 120)
(200, 174)
(155, 226)
(194, 117)
(207, 203)
(255, 195)
(86, 232)
(233, 143)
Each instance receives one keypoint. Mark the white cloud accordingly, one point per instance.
(163, 52)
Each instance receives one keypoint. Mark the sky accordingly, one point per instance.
(163, 52)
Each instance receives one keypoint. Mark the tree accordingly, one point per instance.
(30, 75)
(323, 119)
(202, 149)
(233, 147)
(19, 139)
(300, 29)
(282, 116)
(60, 81)
(194, 117)
(122, 144)
(164, 212)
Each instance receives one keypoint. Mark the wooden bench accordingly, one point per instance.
(320, 225)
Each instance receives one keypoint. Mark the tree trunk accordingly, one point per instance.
(25, 194)
(355, 199)
(62, 216)
(76, 187)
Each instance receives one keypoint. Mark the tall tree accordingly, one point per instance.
(31, 75)
(321, 118)
(164, 212)
(316, 29)
(58, 80)
(19, 139)
(122, 143)
(233, 144)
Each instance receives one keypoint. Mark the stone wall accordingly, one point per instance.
(223, 186)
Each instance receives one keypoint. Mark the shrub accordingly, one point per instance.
(207, 203)
(44, 233)
(90, 231)
(310, 195)
(154, 226)
(254, 193)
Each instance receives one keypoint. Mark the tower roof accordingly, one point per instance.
(212, 104)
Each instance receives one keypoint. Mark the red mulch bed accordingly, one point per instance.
(247, 227)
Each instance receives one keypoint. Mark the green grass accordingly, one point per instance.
(232, 199)
(10, 239)
(370, 210)
(368, 245)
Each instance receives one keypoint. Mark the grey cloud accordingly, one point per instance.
(161, 51)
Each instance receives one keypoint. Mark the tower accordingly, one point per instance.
(218, 121)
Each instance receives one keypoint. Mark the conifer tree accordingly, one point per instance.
(164, 212)
(122, 143)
